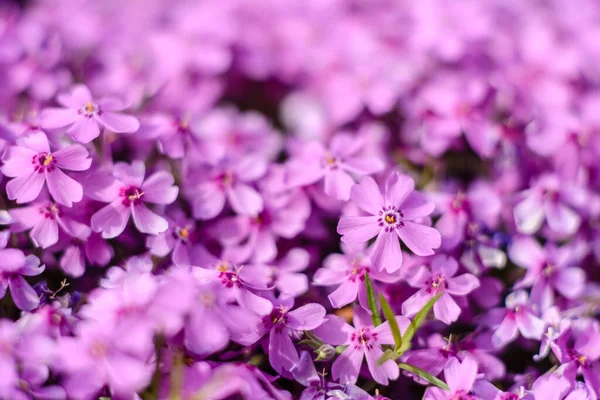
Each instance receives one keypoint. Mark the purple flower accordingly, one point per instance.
(82, 116)
(335, 165)
(549, 269)
(13, 266)
(127, 194)
(31, 164)
(348, 271)
(548, 200)
(46, 219)
(177, 240)
(439, 278)
(238, 283)
(518, 316)
(391, 215)
(283, 324)
(100, 356)
(577, 347)
(209, 187)
(365, 340)
(460, 377)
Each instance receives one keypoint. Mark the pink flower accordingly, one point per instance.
(46, 219)
(336, 165)
(459, 377)
(31, 164)
(439, 278)
(82, 116)
(394, 213)
(364, 340)
(518, 316)
(127, 192)
(13, 265)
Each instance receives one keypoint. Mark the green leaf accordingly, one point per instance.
(372, 302)
(425, 375)
(416, 324)
(391, 319)
(388, 355)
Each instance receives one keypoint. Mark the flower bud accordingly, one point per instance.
(325, 352)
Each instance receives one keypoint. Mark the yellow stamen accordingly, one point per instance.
(48, 160)
(89, 107)
(390, 219)
(184, 232)
(223, 266)
(135, 196)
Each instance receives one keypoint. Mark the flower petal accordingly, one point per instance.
(307, 317)
(397, 188)
(25, 188)
(420, 239)
(22, 293)
(446, 309)
(356, 230)
(244, 199)
(147, 221)
(462, 285)
(84, 130)
(159, 189)
(119, 123)
(346, 367)
(74, 158)
(111, 220)
(385, 252)
(380, 373)
(367, 195)
(64, 189)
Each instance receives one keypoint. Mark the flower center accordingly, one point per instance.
(98, 350)
(50, 211)
(89, 110)
(358, 272)
(438, 283)
(230, 279)
(223, 266)
(207, 298)
(131, 195)
(184, 233)
(363, 337)
(390, 218)
(43, 162)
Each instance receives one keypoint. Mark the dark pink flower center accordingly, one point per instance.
(50, 211)
(437, 284)
(390, 218)
(358, 272)
(44, 162)
(230, 279)
(89, 110)
(131, 195)
(277, 319)
(363, 337)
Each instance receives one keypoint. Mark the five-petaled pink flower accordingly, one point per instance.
(394, 214)
(127, 194)
(31, 164)
(83, 116)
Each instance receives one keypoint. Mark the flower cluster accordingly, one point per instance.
(221, 199)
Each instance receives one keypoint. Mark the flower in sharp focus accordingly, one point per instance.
(392, 215)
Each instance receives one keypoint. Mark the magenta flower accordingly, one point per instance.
(439, 278)
(460, 377)
(392, 215)
(13, 266)
(83, 116)
(284, 324)
(348, 271)
(335, 165)
(98, 356)
(239, 284)
(548, 199)
(210, 186)
(31, 164)
(518, 316)
(127, 194)
(46, 219)
(549, 269)
(364, 340)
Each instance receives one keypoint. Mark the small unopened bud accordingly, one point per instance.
(325, 352)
